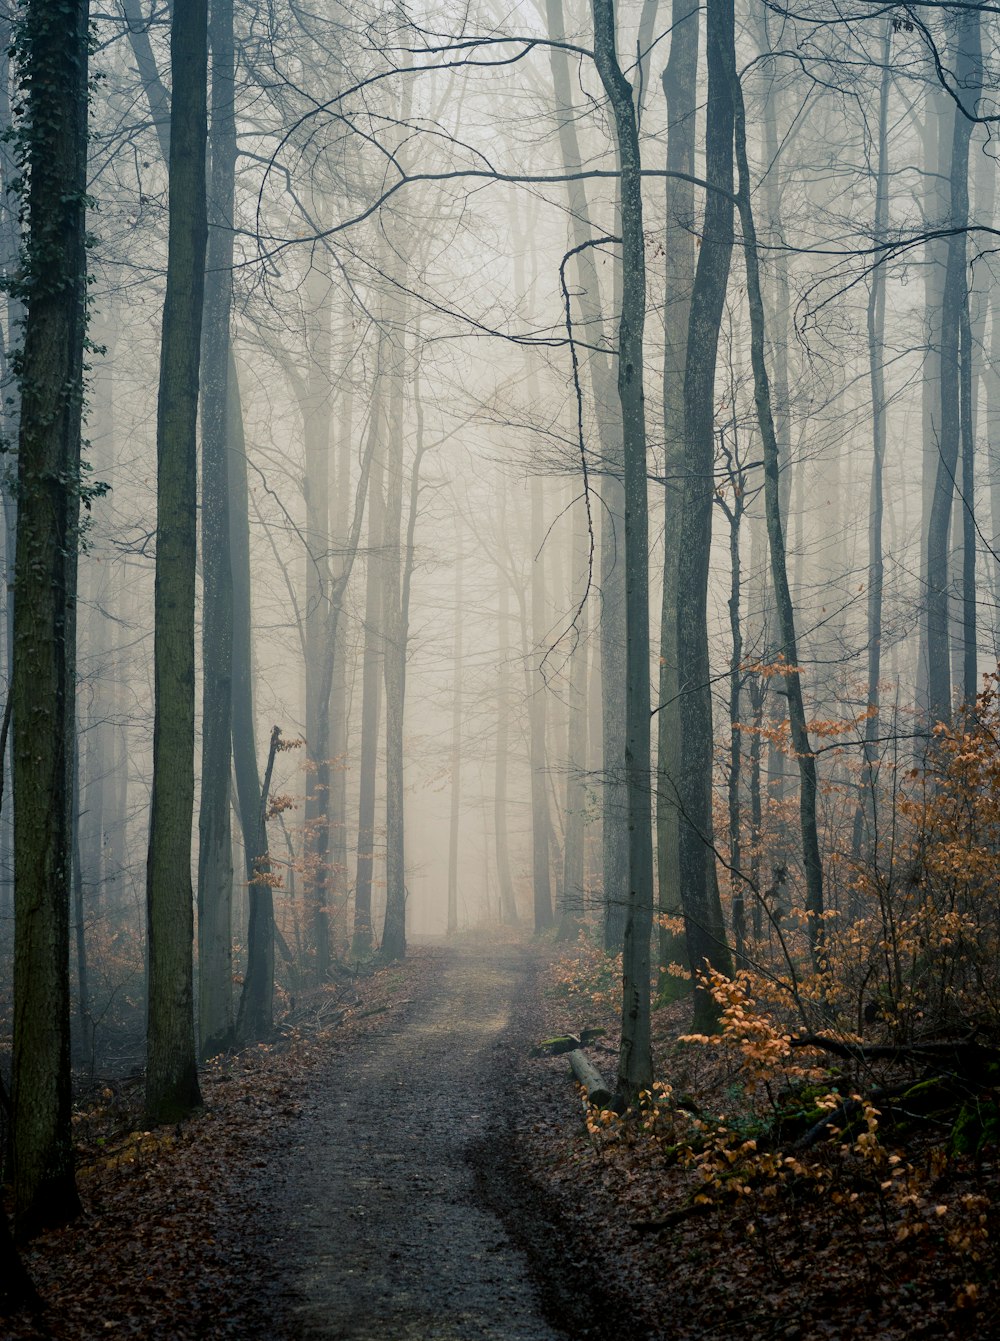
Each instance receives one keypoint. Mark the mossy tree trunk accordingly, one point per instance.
(51, 47)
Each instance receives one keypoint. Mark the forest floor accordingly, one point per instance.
(398, 1166)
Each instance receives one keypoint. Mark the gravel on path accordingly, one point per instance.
(378, 1225)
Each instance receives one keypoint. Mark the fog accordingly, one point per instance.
(426, 288)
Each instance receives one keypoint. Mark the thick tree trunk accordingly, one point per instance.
(215, 847)
(703, 921)
(52, 52)
(171, 1069)
(10, 415)
(16, 1288)
(680, 87)
(635, 1067)
(954, 308)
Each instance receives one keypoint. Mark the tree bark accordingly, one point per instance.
(954, 308)
(51, 54)
(371, 693)
(573, 901)
(635, 1067)
(614, 838)
(255, 1016)
(541, 824)
(171, 1068)
(456, 743)
(876, 374)
(393, 943)
(215, 848)
(505, 883)
(680, 87)
(316, 419)
(788, 650)
(703, 921)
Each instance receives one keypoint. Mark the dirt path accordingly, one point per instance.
(379, 1231)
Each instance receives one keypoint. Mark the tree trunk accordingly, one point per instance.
(970, 657)
(255, 1017)
(215, 847)
(614, 839)
(339, 762)
(51, 53)
(776, 542)
(876, 374)
(10, 414)
(703, 921)
(737, 881)
(680, 87)
(505, 884)
(393, 944)
(954, 305)
(371, 694)
(316, 419)
(16, 1288)
(171, 1069)
(635, 1067)
(456, 742)
(540, 818)
(573, 902)
(156, 92)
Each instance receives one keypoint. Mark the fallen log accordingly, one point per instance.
(553, 1047)
(589, 1077)
(967, 1056)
